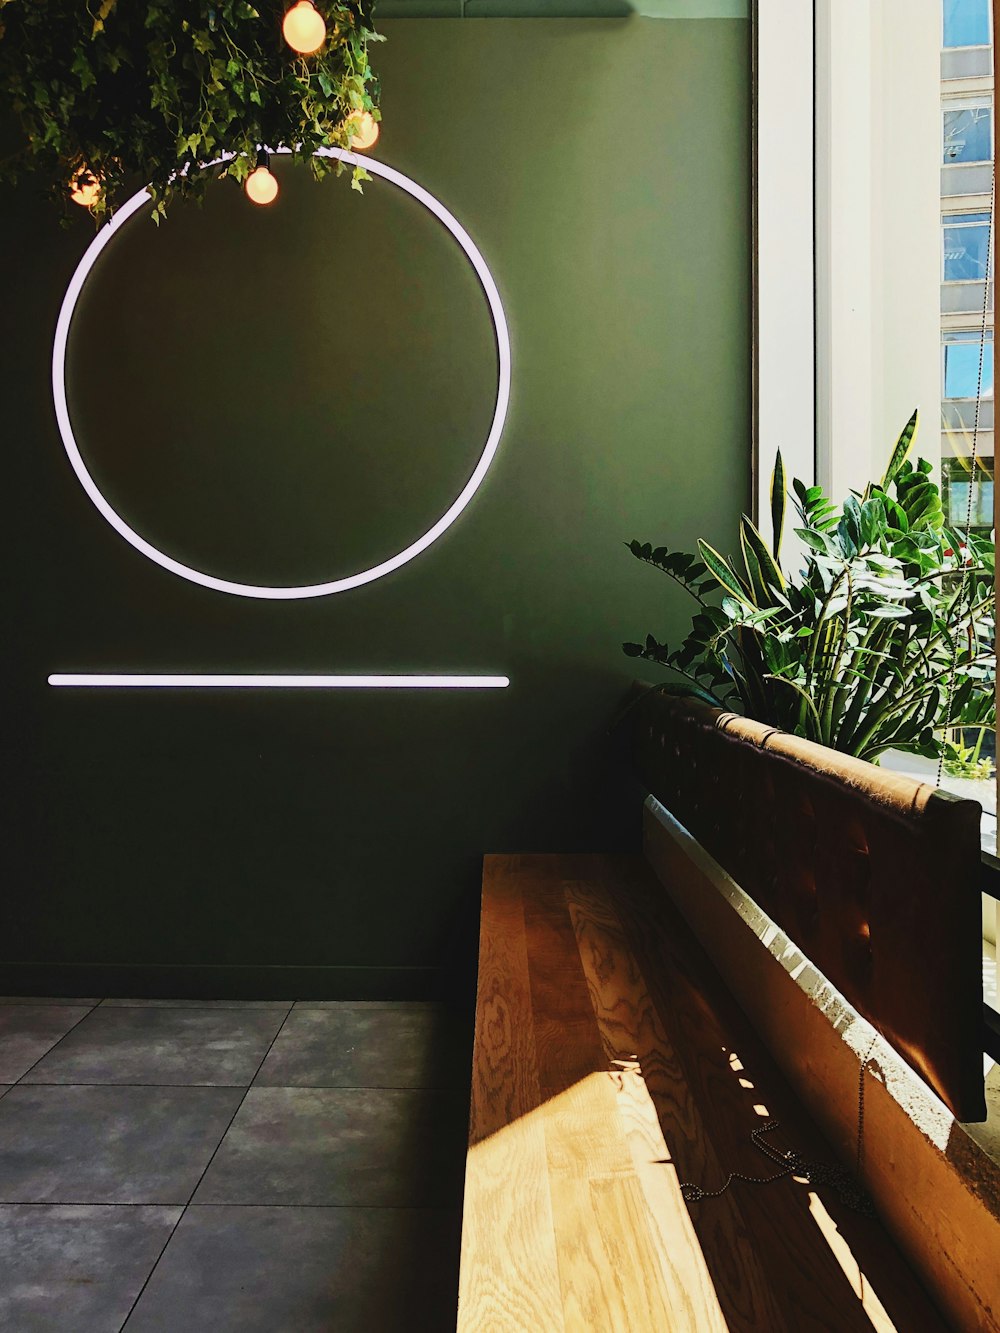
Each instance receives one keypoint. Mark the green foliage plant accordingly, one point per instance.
(881, 638)
(144, 92)
(967, 761)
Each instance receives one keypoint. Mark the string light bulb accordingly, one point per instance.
(304, 28)
(261, 186)
(85, 189)
(362, 127)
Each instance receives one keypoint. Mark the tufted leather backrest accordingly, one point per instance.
(874, 875)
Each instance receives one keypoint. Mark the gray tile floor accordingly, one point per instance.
(265, 1167)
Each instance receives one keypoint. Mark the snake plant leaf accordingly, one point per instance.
(758, 588)
(724, 576)
(903, 445)
(769, 568)
(778, 500)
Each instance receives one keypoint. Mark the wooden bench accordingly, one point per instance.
(610, 1065)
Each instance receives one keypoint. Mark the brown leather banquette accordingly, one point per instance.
(875, 876)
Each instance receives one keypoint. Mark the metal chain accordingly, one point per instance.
(953, 670)
(846, 1183)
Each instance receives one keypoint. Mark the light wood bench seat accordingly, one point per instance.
(610, 1065)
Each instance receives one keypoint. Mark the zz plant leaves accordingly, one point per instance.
(123, 93)
(857, 648)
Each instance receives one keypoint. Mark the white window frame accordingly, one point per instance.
(784, 368)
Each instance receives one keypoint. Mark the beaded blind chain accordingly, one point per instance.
(847, 1183)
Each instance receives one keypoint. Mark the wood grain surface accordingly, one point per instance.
(511, 1279)
(610, 1065)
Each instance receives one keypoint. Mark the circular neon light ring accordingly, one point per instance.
(158, 557)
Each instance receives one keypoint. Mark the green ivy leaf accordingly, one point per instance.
(126, 90)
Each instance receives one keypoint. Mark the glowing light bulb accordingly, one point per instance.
(261, 186)
(362, 128)
(304, 29)
(85, 189)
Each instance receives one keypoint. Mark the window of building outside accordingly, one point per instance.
(965, 246)
(966, 23)
(967, 451)
(967, 132)
(965, 371)
(904, 312)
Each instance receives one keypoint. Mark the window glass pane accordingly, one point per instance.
(961, 366)
(982, 503)
(966, 23)
(967, 134)
(966, 250)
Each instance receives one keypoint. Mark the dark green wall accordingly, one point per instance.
(283, 394)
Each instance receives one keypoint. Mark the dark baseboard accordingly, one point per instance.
(187, 981)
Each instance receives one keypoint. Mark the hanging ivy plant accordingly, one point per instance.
(113, 93)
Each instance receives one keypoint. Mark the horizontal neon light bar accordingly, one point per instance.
(90, 680)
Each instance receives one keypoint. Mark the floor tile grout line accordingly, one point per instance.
(354, 1087)
(204, 1172)
(115, 1002)
(105, 1203)
(79, 1084)
(266, 1087)
(216, 1008)
(37, 1062)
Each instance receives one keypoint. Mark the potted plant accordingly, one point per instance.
(169, 96)
(878, 635)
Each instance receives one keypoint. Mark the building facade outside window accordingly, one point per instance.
(967, 449)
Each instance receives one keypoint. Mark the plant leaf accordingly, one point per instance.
(778, 500)
(724, 576)
(903, 445)
(769, 569)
